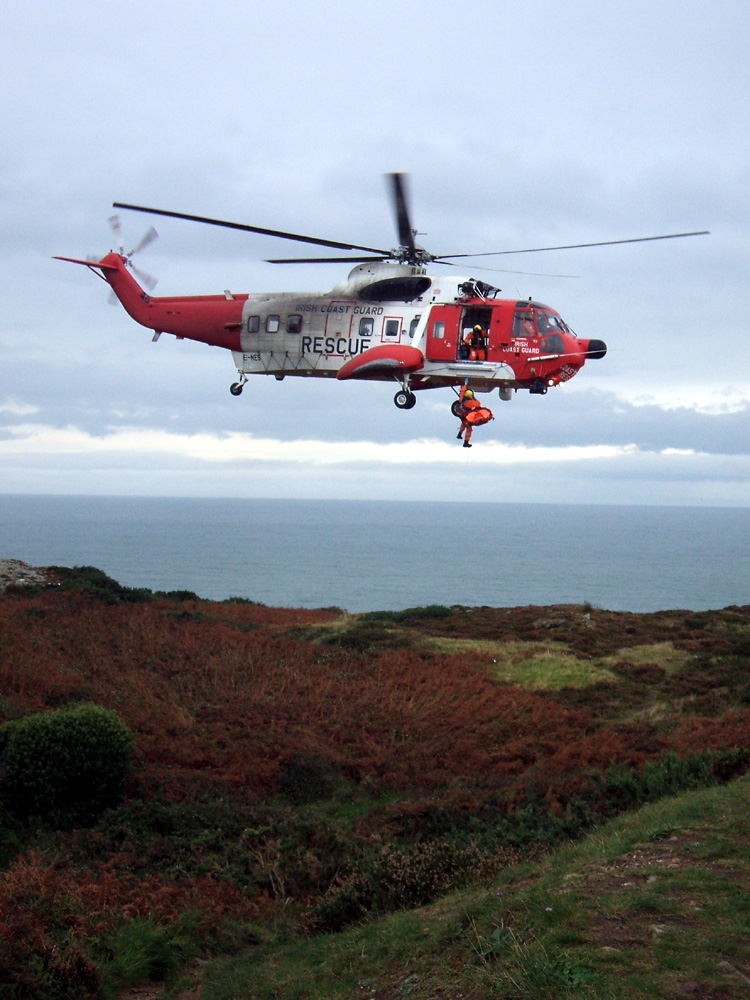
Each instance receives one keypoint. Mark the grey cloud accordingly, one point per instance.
(288, 120)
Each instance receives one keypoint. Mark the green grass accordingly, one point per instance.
(660, 654)
(652, 904)
(533, 665)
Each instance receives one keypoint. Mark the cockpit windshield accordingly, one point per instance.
(537, 321)
(549, 322)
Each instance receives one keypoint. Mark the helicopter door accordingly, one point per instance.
(474, 316)
(442, 333)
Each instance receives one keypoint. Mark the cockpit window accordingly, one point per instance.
(553, 343)
(549, 322)
(523, 324)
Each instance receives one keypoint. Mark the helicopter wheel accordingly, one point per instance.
(236, 388)
(405, 399)
(456, 408)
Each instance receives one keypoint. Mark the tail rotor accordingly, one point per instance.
(148, 237)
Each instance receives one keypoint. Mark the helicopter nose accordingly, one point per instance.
(596, 349)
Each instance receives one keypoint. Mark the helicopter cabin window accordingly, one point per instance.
(413, 326)
(253, 324)
(392, 329)
(366, 326)
(294, 323)
(438, 330)
(272, 324)
(523, 324)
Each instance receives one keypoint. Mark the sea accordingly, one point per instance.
(374, 555)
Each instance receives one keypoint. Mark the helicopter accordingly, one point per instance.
(389, 320)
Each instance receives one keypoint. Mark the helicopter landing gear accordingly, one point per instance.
(538, 387)
(405, 399)
(236, 387)
(456, 408)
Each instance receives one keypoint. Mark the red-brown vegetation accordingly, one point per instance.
(208, 699)
(230, 703)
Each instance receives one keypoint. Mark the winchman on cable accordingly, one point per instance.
(472, 414)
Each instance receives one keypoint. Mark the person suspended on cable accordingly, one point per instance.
(472, 414)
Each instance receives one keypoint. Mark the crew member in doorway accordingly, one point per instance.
(476, 344)
(472, 414)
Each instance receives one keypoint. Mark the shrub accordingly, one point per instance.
(66, 765)
(407, 615)
(242, 600)
(306, 779)
(623, 787)
(730, 762)
(143, 951)
(672, 774)
(97, 584)
(177, 595)
(626, 788)
(399, 879)
(364, 637)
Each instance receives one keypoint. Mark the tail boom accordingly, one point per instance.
(210, 319)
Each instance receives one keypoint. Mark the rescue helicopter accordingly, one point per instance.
(390, 320)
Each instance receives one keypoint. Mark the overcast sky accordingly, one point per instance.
(520, 124)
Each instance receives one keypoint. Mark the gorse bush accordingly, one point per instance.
(65, 766)
(627, 787)
(144, 951)
(306, 779)
(98, 585)
(408, 615)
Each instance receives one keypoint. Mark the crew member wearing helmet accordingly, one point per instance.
(476, 344)
(466, 403)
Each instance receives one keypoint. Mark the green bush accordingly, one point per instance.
(95, 583)
(177, 595)
(626, 787)
(306, 779)
(66, 765)
(407, 615)
(142, 951)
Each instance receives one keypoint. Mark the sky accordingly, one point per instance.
(519, 123)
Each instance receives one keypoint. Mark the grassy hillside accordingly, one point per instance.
(654, 904)
(309, 790)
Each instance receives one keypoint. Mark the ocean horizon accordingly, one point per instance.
(374, 555)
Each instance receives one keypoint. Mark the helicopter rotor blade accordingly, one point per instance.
(325, 260)
(447, 263)
(148, 237)
(403, 222)
(505, 270)
(115, 225)
(572, 246)
(147, 279)
(409, 252)
(252, 229)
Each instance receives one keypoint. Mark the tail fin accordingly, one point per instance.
(93, 264)
(113, 268)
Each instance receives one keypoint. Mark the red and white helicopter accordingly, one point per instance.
(388, 321)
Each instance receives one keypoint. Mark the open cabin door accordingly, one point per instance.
(442, 333)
